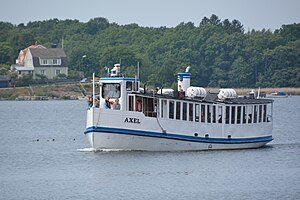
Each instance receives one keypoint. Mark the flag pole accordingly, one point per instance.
(93, 89)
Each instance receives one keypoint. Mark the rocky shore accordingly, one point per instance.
(80, 91)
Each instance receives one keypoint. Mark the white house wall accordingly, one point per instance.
(50, 72)
(28, 61)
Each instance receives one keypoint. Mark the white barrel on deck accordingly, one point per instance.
(227, 94)
(196, 92)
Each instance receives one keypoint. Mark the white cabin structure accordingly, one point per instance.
(197, 120)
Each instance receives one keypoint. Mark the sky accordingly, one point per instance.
(253, 14)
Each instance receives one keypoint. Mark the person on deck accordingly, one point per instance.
(116, 105)
(107, 103)
(90, 102)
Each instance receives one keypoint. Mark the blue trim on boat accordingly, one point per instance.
(177, 136)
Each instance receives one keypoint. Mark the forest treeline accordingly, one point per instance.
(220, 53)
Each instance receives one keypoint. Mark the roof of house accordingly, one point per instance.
(23, 52)
(22, 68)
(48, 53)
(51, 53)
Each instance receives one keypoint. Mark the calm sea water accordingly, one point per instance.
(58, 165)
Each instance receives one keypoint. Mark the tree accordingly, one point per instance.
(97, 24)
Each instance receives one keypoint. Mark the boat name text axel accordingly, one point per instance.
(132, 120)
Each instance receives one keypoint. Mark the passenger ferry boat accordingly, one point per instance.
(190, 118)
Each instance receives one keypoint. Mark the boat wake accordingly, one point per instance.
(86, 150)
(101, 150)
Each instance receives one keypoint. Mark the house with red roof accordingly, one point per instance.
(39, 60)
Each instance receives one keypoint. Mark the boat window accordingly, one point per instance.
(213, 114)
(178, 110)
(220, 113)
(171, 109)
(269, 112)
(113, 90)
(164, 108)
(255, 114)
(191, 115)
(244, 115)
(131, 103)
(208, 116)
(202, 113)
(250, 114)
(197, 107)
(129, 86)
(149, 107)
(136, 86)
(184, 111)
(232, 114)
(239, 110)
(227, 114)
(265, 113)
(260, 114)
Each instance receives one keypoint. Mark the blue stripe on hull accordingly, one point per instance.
(178, 137)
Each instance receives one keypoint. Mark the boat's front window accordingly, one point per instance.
(113, 90)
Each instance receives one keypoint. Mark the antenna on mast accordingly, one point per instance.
(138, 70)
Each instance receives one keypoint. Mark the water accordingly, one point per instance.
(66, 168)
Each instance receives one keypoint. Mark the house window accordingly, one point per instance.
(43, 72)
(57, 72)
(56, 61)
(50, 61)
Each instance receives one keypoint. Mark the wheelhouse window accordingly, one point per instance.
(129, 86)
(113, 90)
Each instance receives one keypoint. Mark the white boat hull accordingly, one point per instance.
(108, 140)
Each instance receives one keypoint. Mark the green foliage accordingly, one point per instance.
(4, 69)
(220, 53)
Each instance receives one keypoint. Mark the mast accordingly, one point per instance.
(93, 99)
(138, 70)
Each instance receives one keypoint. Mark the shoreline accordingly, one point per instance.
(80, 91)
